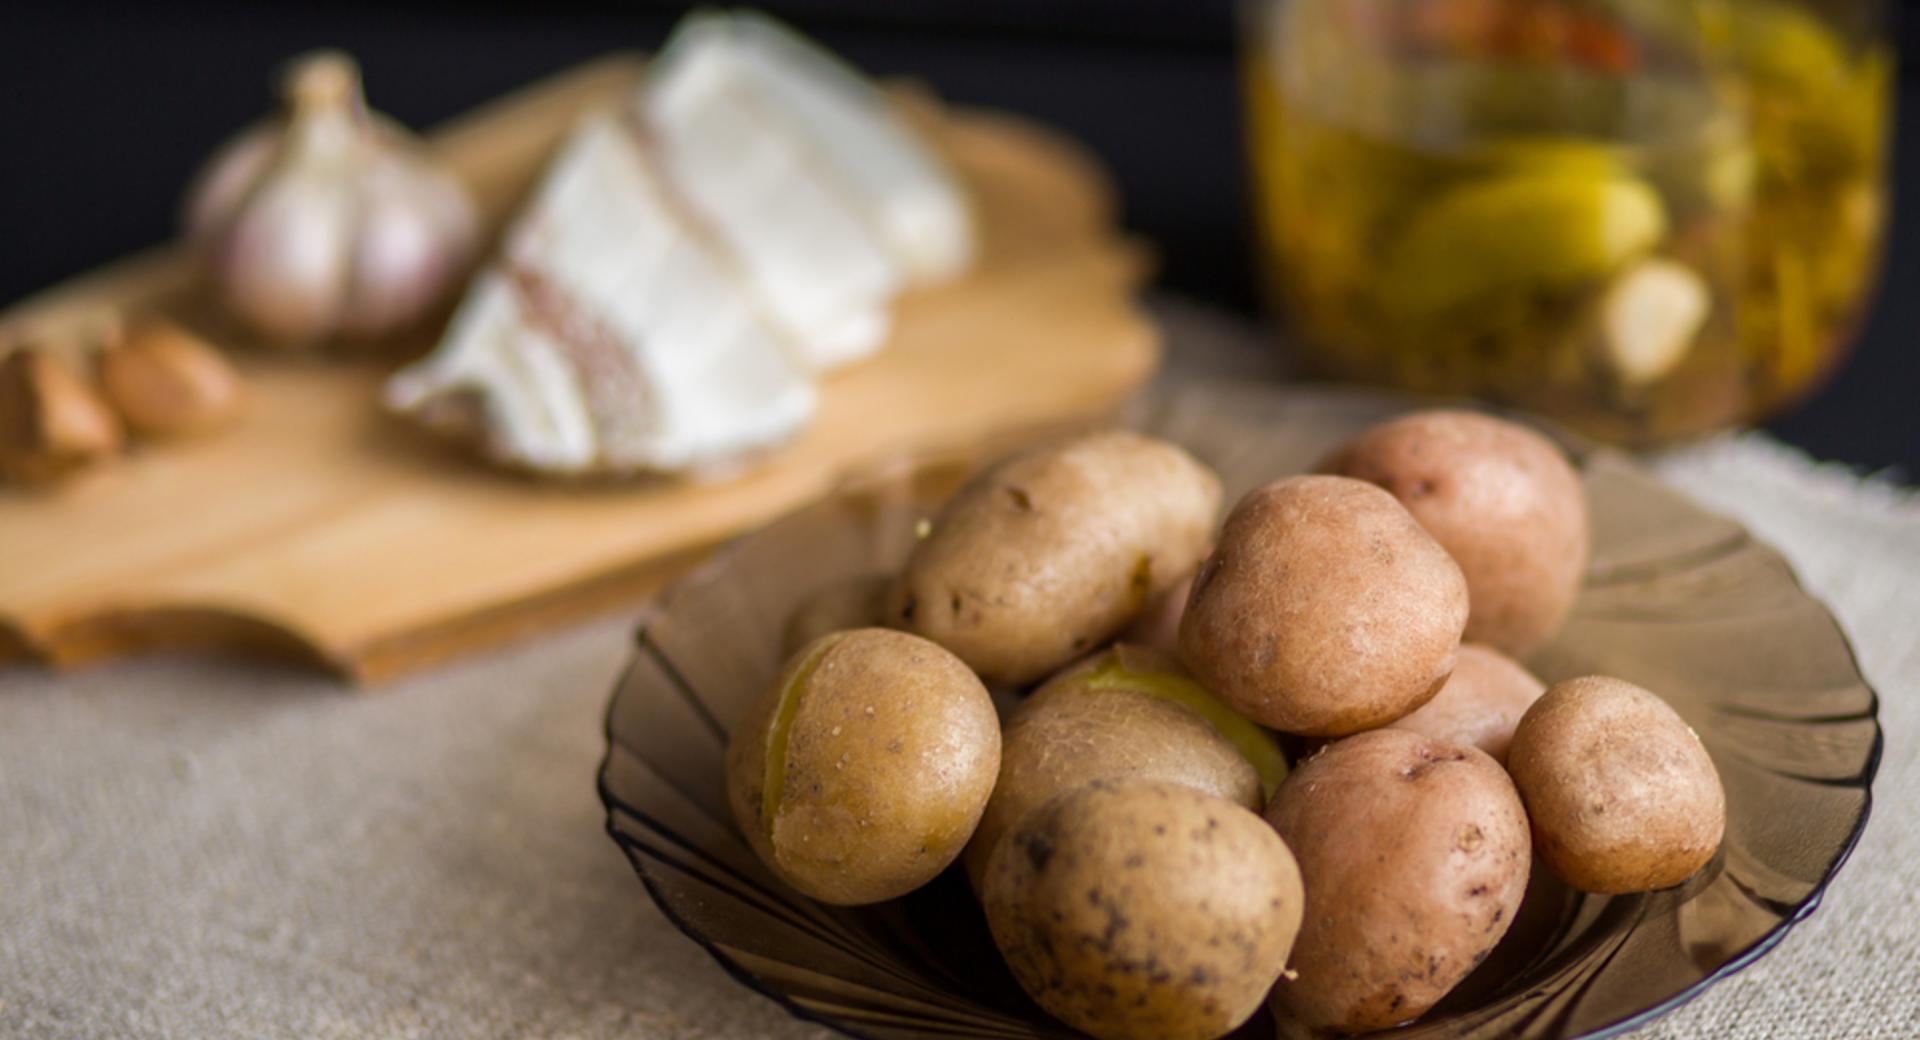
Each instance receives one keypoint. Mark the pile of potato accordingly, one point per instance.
(1147, 863)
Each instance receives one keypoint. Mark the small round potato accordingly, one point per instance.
(1501, 499)
(1480, 704)
(860, 773)
(1325, 609)
(1141, 908)
(1623, 796)
(1048, 554)
(1415, 856)
(1124, 713)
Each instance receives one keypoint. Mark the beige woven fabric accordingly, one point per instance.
(209, 849)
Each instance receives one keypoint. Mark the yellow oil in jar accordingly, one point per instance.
(1643, 223)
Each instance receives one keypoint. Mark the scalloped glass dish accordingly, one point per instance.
(1678, 600)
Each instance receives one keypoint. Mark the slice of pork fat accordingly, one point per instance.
(808, 174)
(608, 337)
(898, 180)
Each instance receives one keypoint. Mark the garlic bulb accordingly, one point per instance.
(329, 223)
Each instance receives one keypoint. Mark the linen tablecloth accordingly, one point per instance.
(206, 848)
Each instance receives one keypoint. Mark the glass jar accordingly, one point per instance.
(1645, 218)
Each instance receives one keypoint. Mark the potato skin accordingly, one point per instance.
(1066, 735)
(1325, 609)
(1048, 554)
(1622, 794)
(1501, 499)
(1415, 856)
(1141, 908)
(1480, 704)
(890, 756)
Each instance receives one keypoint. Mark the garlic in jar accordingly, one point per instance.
(331, 222)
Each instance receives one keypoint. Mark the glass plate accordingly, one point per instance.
(1678, 600)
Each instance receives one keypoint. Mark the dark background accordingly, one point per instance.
(106, 109)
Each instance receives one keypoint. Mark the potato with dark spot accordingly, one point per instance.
(1324, 610)
(1128, 712)
(1415, 856)
(1501, 499)
(1622, 794)
(1050, 553)
(858, 602)
(1480, 704)
(861, 772)
(1144, 909)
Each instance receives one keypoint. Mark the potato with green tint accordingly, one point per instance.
(1481, 703)
(1144, 909)
(861, 772)
(1128, 712)
(1415, 856)
(1324, 610)
(1501, 499)
(1622, 794)
(1050, 553)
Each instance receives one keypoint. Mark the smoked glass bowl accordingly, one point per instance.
(1678, 600)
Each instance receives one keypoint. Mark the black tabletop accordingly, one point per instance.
(107, 108)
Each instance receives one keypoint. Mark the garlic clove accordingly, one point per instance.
(219, 189)
(52, 423)
(284, 261)
(1649, 317)
(166, 382)
(405, 256)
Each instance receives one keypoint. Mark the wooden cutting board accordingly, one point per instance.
(324, 530)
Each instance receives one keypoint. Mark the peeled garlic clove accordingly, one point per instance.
(397, 266)
(165, 382)
(332, 223)
(1649, 316)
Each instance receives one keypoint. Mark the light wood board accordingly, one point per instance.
(325, 530)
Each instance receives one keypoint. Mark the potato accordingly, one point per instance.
(1501, 499)
(858, 602)
(1415, 856)
(1480, 704)
(861, 772)
(1623, 796)
(1048, 554)
(1142, 908)
(1325, 609)
(1127, 712)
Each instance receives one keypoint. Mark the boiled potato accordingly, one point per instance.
(1480, 704)
(1142, 908)
(1623, 796)
(862, 771)
(1504, 503)
(1127, 712)
(1050, 553)
(1415, 855)
(1325, 609)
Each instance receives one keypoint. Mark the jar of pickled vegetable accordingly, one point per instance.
(1646, 218)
